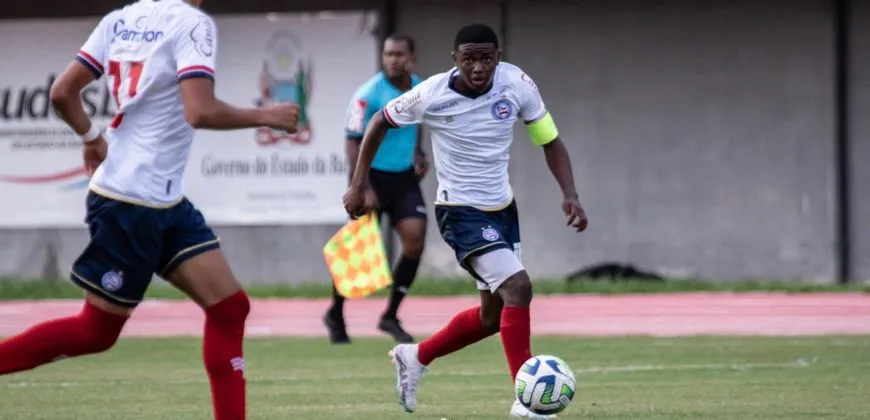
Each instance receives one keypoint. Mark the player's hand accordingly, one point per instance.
(421, 165)
(355, 202)
(93, 154)
(283, 117)
(575, 216)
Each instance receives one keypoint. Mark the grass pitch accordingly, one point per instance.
(619, 378)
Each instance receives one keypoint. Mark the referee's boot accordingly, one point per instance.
(337, 331)
(393, 327)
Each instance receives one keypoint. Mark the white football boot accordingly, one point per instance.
(409, 372)
(519, 411)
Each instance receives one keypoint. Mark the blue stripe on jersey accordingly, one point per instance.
(97, 73)
(396, 153)
(193, 74)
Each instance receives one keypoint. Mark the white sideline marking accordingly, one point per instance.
(799, 364)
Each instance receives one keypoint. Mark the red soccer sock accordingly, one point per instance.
(464, 329)
(91, 331)
(222, 355)
(516, 337)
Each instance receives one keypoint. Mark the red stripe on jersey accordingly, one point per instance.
(389, 118)
(116, 120)
(191, 69)
(91, 60)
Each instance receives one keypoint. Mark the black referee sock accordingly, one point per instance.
(336, 311)
(403, 277)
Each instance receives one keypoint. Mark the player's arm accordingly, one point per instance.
(195, 50)
(352, 148)
(543, 132)
(559, 163)
(65, 98)
(419, 148)
(421, 164)
(65, 93)
(402, 111)
(374, 136)
(203, 110)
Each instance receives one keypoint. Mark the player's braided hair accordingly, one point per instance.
(476, 33)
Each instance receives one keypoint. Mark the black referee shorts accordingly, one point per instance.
(398, 193)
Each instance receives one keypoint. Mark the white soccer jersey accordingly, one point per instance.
(145, 49)
(471, 137)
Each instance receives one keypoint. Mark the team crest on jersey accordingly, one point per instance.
(502, 109)
(489, 234)
(285, 78)
(112, 281)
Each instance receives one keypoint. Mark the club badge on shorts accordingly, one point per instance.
(489, 234)
(112, 281)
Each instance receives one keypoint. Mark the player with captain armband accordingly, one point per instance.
(470, 112)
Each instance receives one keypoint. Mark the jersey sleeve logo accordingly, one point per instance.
(203, 37)
(502, 109)
(529, 80)
(406, 101)
(356, 119)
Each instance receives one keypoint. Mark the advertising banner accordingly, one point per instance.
(241, 177)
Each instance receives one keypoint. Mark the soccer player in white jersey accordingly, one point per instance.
(470, 112)
(159, 59)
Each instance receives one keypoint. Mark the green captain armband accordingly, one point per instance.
(543, 130)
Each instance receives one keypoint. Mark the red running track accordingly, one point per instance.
(657, 315)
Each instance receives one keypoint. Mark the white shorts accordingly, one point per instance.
(495, 267)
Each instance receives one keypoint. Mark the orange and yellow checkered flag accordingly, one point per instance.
(356, 258)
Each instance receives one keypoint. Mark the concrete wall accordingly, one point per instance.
(701, 133)
(860, 135)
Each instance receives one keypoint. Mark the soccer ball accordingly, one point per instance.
(545, 385)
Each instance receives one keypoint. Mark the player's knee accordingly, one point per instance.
(100, 341)
(414, 241)
(414, 248)
(517, 290)
(232, 311)
(490, 319)
(99, 329)
(224, 333)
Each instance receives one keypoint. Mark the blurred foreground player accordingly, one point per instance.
(159, 59)
(471, 111)
(394, 181)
